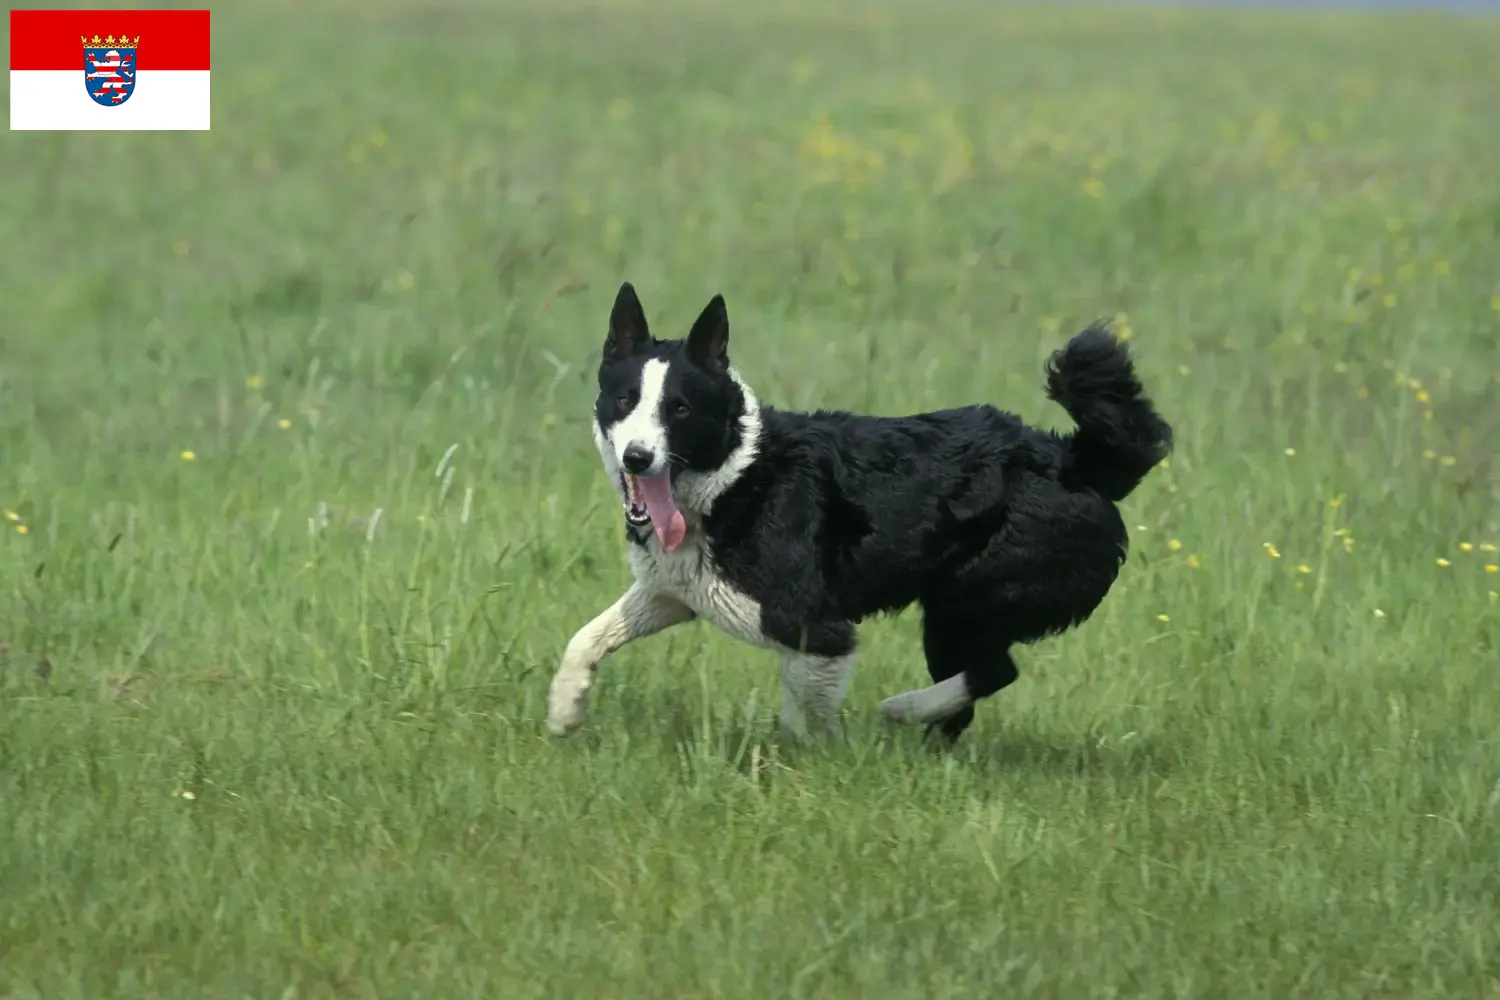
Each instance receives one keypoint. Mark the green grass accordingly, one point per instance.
(254, 743)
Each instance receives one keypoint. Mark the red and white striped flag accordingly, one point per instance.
(92, 70)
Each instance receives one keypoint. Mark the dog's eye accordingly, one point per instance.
(627, 403)
(680, 409)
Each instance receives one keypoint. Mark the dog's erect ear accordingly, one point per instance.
(628, 333)
(708, 340)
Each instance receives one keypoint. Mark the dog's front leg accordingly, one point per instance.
(638, 613)
(813, 688)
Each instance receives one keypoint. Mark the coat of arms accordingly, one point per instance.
(109, 68)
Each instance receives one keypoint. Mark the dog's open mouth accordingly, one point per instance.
(649, 500)
(636, 514)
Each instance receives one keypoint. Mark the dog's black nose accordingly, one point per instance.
(637, 459)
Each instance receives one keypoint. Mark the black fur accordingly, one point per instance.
(1004, 533)
(1120, 437)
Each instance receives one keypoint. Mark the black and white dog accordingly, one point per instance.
(785, 529)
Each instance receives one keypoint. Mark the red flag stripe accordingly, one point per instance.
(49, 39)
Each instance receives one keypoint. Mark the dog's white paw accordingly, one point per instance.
(827, 732)
(902, 708)
(799, 728)
(561, 724)
(930, 704)
(567, 703)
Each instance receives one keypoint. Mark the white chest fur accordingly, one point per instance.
(688, 573)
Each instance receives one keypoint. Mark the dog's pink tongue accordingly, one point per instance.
(668, 521)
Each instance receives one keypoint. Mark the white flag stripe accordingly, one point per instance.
(163, 100)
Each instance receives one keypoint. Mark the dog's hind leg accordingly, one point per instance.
(968, 660)
(638, 613)
(1045, 572)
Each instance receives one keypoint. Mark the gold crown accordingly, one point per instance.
(110, 42)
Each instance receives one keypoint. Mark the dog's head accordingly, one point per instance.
(674, 424)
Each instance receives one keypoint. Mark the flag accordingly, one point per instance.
(91, 70)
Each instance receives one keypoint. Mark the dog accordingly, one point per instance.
(786, 529)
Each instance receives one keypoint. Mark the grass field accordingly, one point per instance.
(301, 507)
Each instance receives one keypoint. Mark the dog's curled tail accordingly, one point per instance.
(1120, 437)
